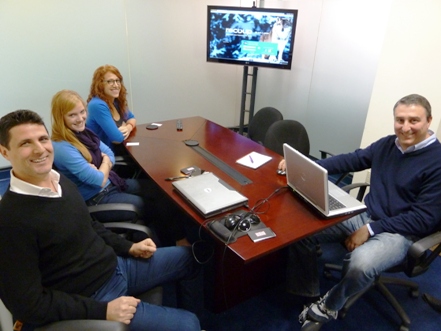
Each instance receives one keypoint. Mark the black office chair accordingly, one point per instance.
(85, 325)
(419, 257)
(126, 167)
(261, 122)
(324, 155)
(287, 131)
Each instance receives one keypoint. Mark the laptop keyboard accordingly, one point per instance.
(334, 203)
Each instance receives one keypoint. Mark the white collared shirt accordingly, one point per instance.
(426, 142)
(20, 186)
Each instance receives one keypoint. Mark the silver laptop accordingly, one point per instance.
(310, 181)
(209, 194)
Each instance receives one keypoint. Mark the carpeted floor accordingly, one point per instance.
(277, 310)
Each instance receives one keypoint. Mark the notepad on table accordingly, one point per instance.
(254, 160)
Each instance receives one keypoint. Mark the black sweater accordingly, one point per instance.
(54, 256)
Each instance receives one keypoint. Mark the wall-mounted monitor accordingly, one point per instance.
(259, 37)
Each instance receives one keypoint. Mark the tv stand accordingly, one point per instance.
(245, 93)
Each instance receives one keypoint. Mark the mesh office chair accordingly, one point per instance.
(287, 131)
(419, 257)
(261, 122)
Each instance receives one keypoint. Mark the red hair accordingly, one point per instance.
(97, 89)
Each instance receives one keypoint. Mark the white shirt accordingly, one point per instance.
(21, 187)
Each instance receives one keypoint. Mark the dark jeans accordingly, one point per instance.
(133, 277)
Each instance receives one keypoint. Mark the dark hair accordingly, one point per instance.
(415, 99)
(15, 118)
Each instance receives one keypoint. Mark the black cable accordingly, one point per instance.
(199, 242)
(259, 203)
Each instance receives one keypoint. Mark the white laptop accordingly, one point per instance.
(310, 181)
(209, 194)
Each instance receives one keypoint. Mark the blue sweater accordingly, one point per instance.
(100, 121)
(405, 191)
(71, 163)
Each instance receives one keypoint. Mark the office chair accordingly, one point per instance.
(72, 325)
(419, 257)
(261, 122)
(126, 167)
(287, 131)
(324, 155)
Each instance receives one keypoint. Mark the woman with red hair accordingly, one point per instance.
(108, 114)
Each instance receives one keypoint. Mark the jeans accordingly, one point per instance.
(360, 267)
(136, 276)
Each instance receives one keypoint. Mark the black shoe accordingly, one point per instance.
(433, 302)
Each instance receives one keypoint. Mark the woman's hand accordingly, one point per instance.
(125, 130)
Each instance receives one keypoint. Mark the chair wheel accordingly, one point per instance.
(414, 293)
(404, 328)
(341, 314)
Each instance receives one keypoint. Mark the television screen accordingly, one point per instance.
(260, 37)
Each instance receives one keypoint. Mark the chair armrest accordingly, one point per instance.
(114, 207)
(419, 257)
(129, 226)
(124, 161)
(419, 247)
(325, 154)
(362, 189)
(85, 325)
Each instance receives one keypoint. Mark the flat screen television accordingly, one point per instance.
(259, 37)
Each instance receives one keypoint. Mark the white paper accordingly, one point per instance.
(254, 160)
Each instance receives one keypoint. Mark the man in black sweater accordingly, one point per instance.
(56, 263)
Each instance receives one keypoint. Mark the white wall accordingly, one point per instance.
(338, 43)
(159, 46)
(409, 63)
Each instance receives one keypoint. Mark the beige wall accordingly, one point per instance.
(409, 63)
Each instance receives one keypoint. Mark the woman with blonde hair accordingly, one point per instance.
(82, 157)
(109, 115)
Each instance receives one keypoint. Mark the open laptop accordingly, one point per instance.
(209, 194)
(310, 181)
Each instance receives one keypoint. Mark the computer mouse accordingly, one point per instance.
(281, 172)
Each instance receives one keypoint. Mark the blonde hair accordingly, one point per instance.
(62, 103)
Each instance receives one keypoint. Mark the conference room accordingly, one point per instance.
(351, 61)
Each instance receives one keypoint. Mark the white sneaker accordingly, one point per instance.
(320, 313)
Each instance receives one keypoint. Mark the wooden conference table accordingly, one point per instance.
(243, 268)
